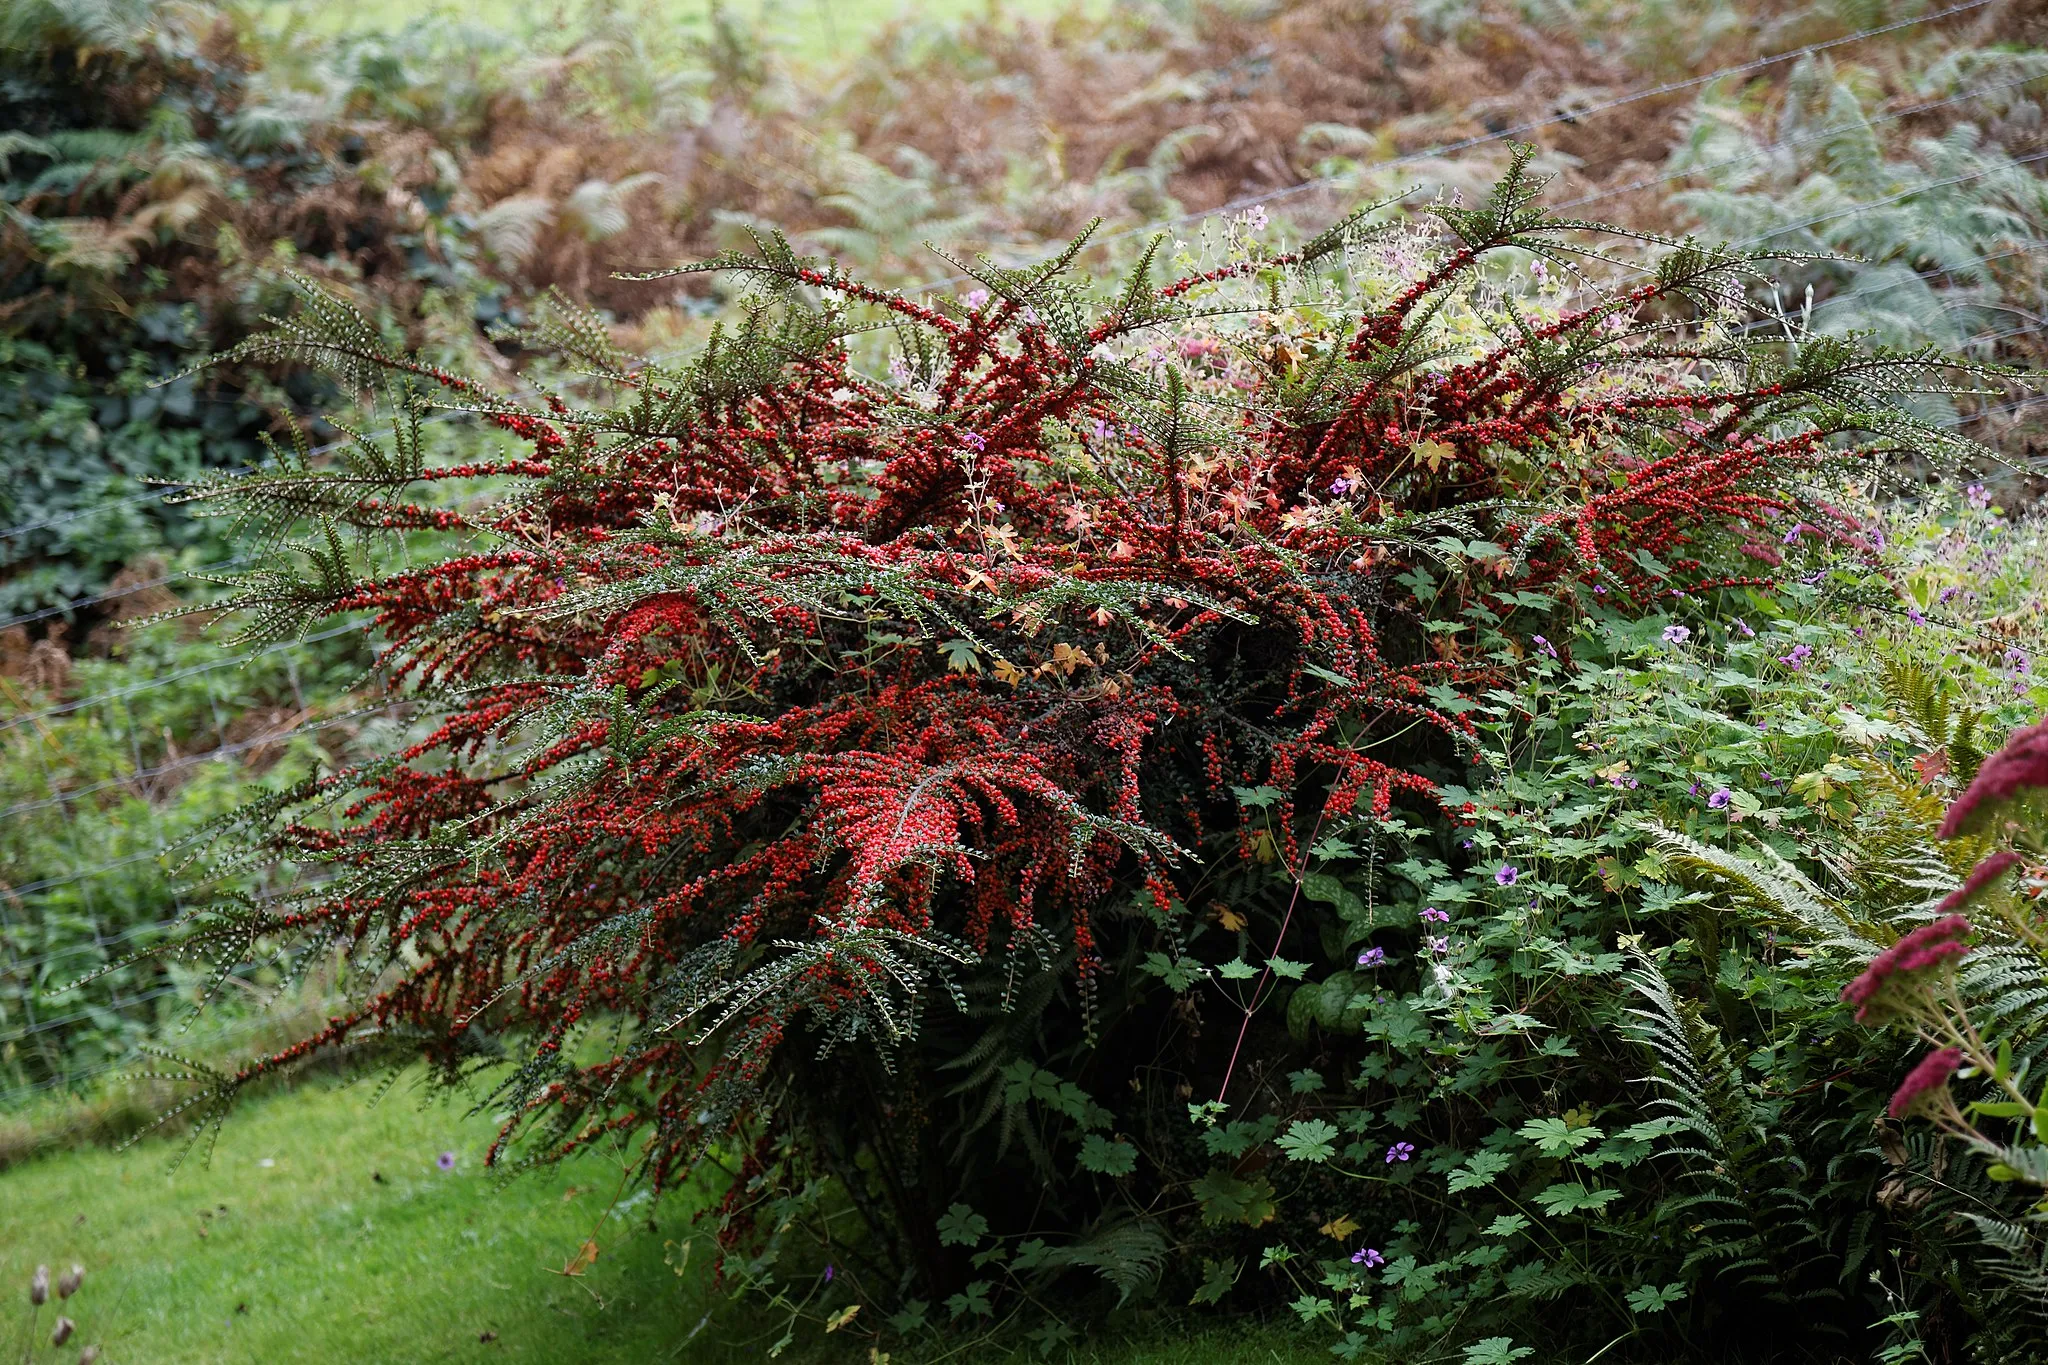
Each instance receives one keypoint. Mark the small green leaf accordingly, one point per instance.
(1104, 1157)
(1217, 1279)
(1555, 1137)
(1496, 1351)
(1308, 1307)
(1309, 1140)
(1237, 969)
(1481, 1168)
(1570, 1197)
(1650, 1299)
(1178, 973)
(973, 1299)
(962, 1227)
(1293, 971)
(1227, 1198)
(912, 1318)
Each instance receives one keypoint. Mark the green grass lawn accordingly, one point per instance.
(324, 1231)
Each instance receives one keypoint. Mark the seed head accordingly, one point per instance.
(61, 1333)
(1926, 1083)
(39, 1286)
(2020, 765)
(68, 1282)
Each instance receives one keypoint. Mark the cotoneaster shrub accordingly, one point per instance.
(858, 739)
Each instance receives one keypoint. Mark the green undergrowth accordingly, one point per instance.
(323, 1229)
(821, 31)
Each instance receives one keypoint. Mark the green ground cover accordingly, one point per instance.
(352, 1244)
(813, 30)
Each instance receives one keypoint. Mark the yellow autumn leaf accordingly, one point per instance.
(1008, 672)
(1339, 1229)
(1433, 454)
(1230, 919)
(842, 1317)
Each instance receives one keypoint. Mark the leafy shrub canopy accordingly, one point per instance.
(928, 721)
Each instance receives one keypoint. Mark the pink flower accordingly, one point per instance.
(1981, 876)
(2021, 764)
(1876, 993)
(1925, 1081)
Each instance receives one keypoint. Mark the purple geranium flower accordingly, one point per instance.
(1367, 1257)
(1720, 799)
(1400, 1151)
(1432, 915)
(1372, 957)
(1544, 645)
(1676, 635)
(446, 1161)
(1508, 875)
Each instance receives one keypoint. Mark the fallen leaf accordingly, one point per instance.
(1339, 1229)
